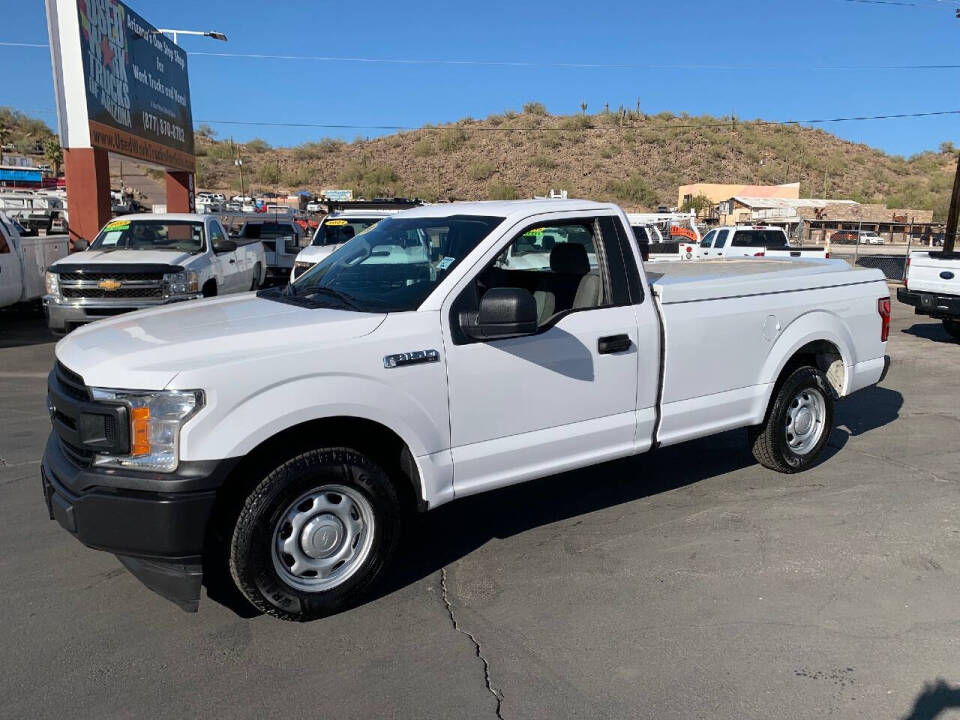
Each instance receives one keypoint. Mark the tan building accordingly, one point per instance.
(718, 192)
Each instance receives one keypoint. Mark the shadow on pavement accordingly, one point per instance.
(23, 326)
(930, 331)
(442, 536)
(933, 700)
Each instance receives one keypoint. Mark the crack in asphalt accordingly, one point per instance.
(476, 643)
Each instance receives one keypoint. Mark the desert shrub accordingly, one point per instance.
(576, 122)
(452, 139)
(424, 148)
(480, 170)
(502, 191)
(634, 190)
(535, 108)
(257, 145)
(542, 162)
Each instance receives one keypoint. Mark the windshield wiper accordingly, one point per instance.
(347, 300)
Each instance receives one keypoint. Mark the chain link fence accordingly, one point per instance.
(894, 267)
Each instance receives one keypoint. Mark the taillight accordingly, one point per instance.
(906, 273)
(883, 307)
(827, 255)
(762, 253)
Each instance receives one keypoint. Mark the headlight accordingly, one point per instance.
(155, 422)
(53, 283)
(299, 268)
(181, 283)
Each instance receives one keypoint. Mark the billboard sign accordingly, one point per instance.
(133, 92)
(337, 195)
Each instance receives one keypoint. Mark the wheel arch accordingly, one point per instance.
(817, 339)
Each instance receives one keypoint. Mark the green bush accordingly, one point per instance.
(258, 145)
(502, 191)
(576, 122)
(480, 170)
(633, 190)
(542, 162)
(451, 139)
(424, 148)
(535, 108)
(268, 174)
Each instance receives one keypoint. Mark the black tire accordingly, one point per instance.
(251, 552)
(952, 327)
(255, 285)
(769, 441)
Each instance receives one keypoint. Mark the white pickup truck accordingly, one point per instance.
(932, 287)
(333, 231)
(24, 261)
(752, 241)
(141, 261)
(276, 440)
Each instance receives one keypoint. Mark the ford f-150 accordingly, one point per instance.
(277, 439)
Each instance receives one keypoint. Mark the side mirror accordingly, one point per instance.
(504, 313)
(80, 244)
(224, 246)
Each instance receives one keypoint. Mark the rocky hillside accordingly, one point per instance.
(632, 158)
(635, 159)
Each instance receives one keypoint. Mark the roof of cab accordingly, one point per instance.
(506, 208)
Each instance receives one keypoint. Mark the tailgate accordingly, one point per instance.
(934, 275)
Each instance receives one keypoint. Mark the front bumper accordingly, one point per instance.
(156, 524)
(932, 304)
(63, 315)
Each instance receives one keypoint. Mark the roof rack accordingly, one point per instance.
(395, 203)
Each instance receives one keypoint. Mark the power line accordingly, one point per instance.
(500, 128)
(551, 65)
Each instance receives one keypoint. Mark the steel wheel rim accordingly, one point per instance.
(805, 421)
(322, 538)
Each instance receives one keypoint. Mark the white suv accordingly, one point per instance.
(334, 230)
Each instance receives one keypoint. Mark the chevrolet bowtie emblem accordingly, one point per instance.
(110, 285)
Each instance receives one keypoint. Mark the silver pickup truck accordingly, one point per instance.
(142, 261)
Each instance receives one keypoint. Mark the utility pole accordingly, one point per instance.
(950, 234)
(239, 163)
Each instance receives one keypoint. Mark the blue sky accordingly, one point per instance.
(755, 58)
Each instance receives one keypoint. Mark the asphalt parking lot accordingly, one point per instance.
(691, 583)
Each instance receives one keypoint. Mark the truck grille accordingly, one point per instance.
(123, 292)
(71, 383)
(109, 286)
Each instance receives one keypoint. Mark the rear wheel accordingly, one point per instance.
(798, 423)
(952, 327)
(315, 534)
(255, 285)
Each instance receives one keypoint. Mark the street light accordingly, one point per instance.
(203, 33)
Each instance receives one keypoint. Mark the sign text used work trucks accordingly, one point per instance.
(276, 439)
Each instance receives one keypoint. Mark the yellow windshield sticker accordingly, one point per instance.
(336, 223)
(535, 231)
(118, 225)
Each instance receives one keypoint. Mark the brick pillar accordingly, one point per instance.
(88, 191)
(180, 192)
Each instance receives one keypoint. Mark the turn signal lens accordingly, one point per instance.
(139, 431)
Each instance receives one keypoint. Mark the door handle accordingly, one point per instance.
(232, 261)
(613, 344)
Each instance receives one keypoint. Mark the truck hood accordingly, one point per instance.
(127, 257)
(149, 348)
(316, 253)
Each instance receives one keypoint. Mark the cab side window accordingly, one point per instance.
(557, 263)
(216, 236)
(721, 239)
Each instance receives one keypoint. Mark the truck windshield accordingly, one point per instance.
(177, 235)
(393, 266)
(336, 231)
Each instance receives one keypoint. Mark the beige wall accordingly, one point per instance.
(717, 192)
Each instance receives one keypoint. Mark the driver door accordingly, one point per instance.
(566, 396)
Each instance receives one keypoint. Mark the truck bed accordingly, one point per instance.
(679, 282)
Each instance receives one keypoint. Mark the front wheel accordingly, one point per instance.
(798, 423)
(952, 327)
(315, 534)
